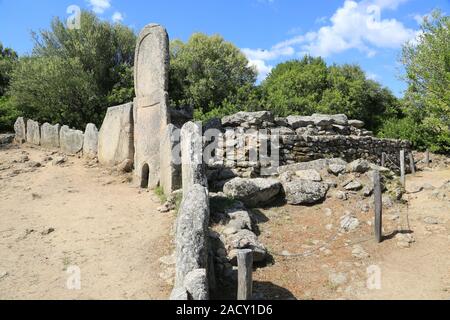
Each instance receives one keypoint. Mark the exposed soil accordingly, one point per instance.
(53, 217)
(419, 272)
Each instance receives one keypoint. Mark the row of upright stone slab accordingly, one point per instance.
(49, 136)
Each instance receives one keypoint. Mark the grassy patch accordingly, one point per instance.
(160, 194)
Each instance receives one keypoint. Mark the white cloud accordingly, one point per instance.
(355, 25)
(117, 17)
(99, 6)
(262, 68)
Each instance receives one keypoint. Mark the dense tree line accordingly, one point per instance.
(73, 76)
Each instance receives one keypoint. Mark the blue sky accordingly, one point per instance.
(367, 32)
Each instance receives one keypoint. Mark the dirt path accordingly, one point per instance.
(422, 271)
(57, 216)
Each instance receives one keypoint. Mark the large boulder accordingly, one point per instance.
(304, 192)
(20, 129)
(71, 140)
(6, 138)
(192, 233)
(252, 192)
(318, 165)
(33, 132)
(90, 143)
(193, 169)
(115, 139)
(50, 136)
(251, 118)
(359, 166)
(310, 174)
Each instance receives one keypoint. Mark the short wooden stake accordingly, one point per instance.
(427, 158)
(383, 159)
(245, 279)
(402, 167)
(411, 163)
(378, 206)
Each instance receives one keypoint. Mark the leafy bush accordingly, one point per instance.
(8, 115)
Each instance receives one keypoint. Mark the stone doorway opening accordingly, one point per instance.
(144, 176)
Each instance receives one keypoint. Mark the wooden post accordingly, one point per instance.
(411, 163)
(378, 206)
(427, 158)
(383, 159)
(402, 167)
(245, 269)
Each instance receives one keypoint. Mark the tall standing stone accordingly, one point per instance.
(50, 136)
(151, 116)
(115, 140)
(90, 143)
(193, 167)
(71, 141)
(33, 132)
(171, 160)
(20, 129)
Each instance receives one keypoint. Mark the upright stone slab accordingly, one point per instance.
(50, 136)
(192, 233)
(115, 140)
(71, 141)
(151, 116)
(193, 167)
(20, 129)
(90, 143)
(171, 160)
(33, 132)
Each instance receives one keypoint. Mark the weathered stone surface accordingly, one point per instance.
(196, 284)
(252, 192)
(20, 129)
(151, 114)
(311, 174)
(115, 139)
(324, 120)
(359, 165)
(33, 132)
(239, 218)
(170, 167)
(90, 144)
(50, 136)
(356, 123)
(318, 165)
(193, 167)
(192, 233)
(251, 118)
(6, 138)
(298, 192)
(349, 223)
(299, 121)
(71, 141)
(179, 294)
(354, 185)
(245, 239)
(336, 169)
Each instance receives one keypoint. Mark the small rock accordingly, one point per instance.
(36, 196)
(341, 195)
(359, 252)
(359, 165)
(431, 220)
(3, 274)
(337, 279)
(353, 186)
(336, 169)
(59, 160)
(328, 212)
(404, 240)
(329, 227)
(349, 222)
(47, 231)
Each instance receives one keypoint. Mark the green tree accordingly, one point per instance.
(8, 58)
(309, 86)
(74, 75)
(427, 65)
(207, 71)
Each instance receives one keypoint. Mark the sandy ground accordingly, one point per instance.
(56, 219)
(419, 272)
